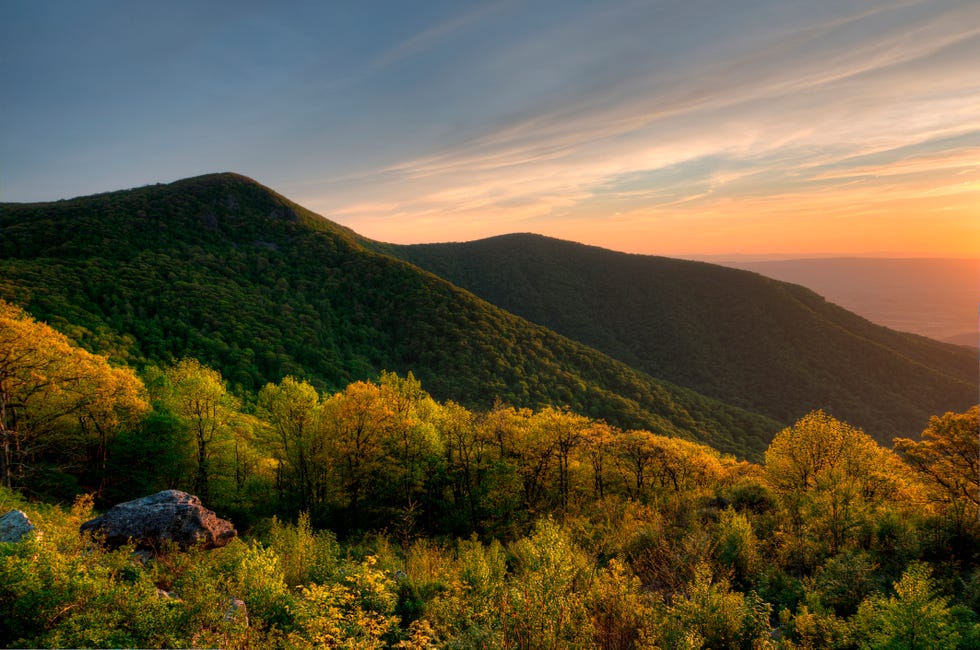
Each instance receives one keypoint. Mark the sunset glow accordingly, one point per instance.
(703, 128)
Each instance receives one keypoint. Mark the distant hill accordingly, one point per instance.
(937, 298)
(223, 269)
(769, 346)
(968, 338)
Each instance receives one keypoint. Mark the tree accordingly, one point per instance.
(830, 477)
(57, 400)
(635, 452)
(294, 411)
(525, 448)
(356, 423)
(563, 431)
(598, 443)
(710, 614)
(916, 617)
(413, 444)
(465, 457)
(948, 459)
(197, 394)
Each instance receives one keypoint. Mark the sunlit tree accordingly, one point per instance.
(198, 395)
(293, 409)
(357, 421)
(830, 476)
(948, 459)
(56, 398)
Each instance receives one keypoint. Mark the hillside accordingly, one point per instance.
(223, 269)
(769, 346)
(932, 297)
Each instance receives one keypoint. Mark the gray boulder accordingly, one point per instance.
(170, 515)
(14, 526)
(236, 611)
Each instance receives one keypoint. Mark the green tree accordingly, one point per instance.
(293, 409)
(737, 547)
(413, 443)
(915, 618)
(156, 455)
(197, 394)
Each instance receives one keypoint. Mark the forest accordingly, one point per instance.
(377, 516)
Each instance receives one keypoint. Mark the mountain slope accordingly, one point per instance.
(772, 347)
(223, 269)
(932, 297)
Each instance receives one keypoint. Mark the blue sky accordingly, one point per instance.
(668, 127)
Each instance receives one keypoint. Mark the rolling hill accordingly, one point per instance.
(768, 346)
(223, 269)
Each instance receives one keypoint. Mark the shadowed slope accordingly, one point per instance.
(772, 347)
(223, 269)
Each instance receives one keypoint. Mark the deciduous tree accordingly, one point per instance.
(57, 399)
(199, 397)
(948, 458)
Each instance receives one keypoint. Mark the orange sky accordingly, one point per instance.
(927, 206)
(840, 127)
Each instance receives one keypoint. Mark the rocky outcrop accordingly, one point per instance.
(14, 526)
(170, 515)
(236, 611)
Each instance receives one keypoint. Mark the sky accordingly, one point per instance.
(670, 127)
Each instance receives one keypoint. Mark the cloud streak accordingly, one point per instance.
(787, 106)
(655, 127)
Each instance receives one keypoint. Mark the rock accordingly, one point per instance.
(14, 526)
(236, 611)
(163, 594)
(170, 515)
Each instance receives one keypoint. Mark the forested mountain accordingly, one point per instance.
(769, 346)
(372, 515)
(224, 270)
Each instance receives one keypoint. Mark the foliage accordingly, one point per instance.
(831, 478)
(708, 614)
(948, 459)
(377, 516)
(223, 270)
(915, 617)
(544, 607)
(772, 347)
(58, 403)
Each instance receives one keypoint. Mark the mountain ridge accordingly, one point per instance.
(766, 345)
(220, 268)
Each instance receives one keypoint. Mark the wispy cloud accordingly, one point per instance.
(782, 107)
(641, 125)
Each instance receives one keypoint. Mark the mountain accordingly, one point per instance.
(932, 297)
(223, 269)
(771, 347)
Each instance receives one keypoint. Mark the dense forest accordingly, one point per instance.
(222, 269)
(410, 465)
(771, 347)
(376, 516)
